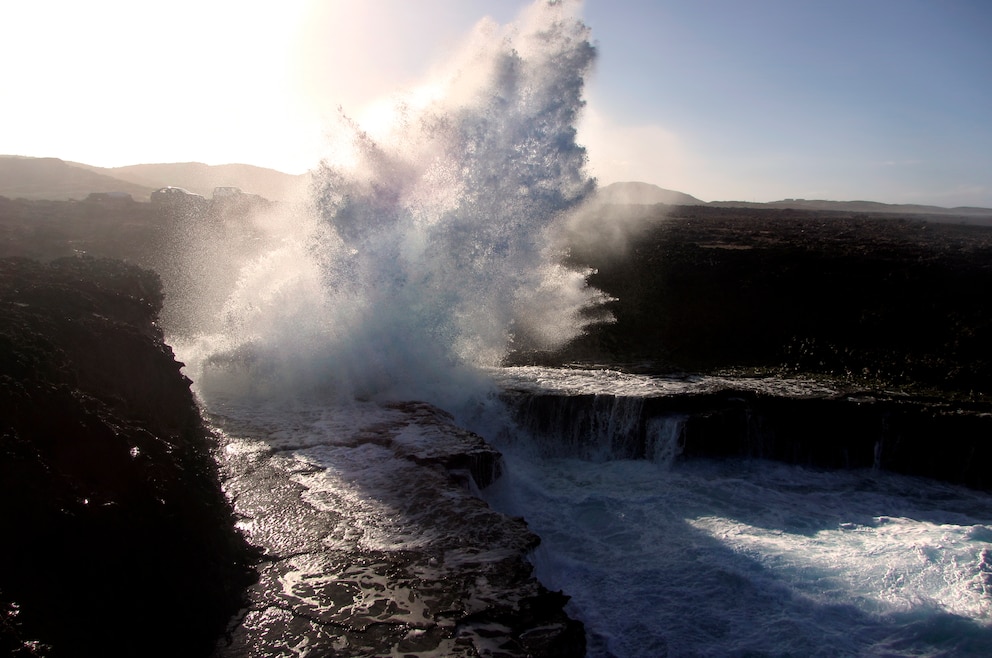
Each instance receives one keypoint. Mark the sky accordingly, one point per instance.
(752, 100)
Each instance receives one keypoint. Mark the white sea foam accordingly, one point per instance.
(610, 381)
(749, 556)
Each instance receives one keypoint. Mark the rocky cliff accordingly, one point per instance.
(881, 300)
(117, 537)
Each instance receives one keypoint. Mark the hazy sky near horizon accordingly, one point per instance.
(756, 100)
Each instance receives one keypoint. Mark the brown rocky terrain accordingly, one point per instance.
(167, 239)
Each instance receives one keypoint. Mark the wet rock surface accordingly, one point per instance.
(828, 430)
(117, 539)
(375, 542)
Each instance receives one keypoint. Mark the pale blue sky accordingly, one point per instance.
(758, 100)
(841, 99)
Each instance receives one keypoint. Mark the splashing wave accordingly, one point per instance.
(430, 244)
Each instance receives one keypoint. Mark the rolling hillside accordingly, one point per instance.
(58, 180)
(643, 194)
(202, 179)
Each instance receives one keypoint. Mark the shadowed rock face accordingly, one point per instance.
(877, 300)
(117, 537)
(835, 430)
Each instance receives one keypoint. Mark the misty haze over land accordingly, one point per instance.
(57, 180)
(54, 179)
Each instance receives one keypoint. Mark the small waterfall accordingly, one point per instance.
(821, 431)
(599, 427)
(664, 440)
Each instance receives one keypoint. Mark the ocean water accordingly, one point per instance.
(665, 557)
(430, 247)
(757, 558)
(750, 557)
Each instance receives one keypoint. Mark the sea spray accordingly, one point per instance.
(429, 247)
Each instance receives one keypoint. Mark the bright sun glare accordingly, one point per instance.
(114, 82)
(117, 82)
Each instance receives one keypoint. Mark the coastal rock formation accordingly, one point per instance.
(117, 537)
(818, 429)
(119, 540)
(375, 540)
(878, 300)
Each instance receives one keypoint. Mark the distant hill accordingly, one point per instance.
(53, 179)
(643, 194)
(859, 207)
(636, 193)
(58, 180)
(202, 178)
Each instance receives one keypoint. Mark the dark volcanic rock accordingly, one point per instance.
(897, 433)
(874, 299)
(191, 249)
(117, 537)
(375, 542)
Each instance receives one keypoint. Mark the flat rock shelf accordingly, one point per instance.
(374, 540)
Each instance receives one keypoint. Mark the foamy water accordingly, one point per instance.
(612, 381)
(757, 558)
(668, 557)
